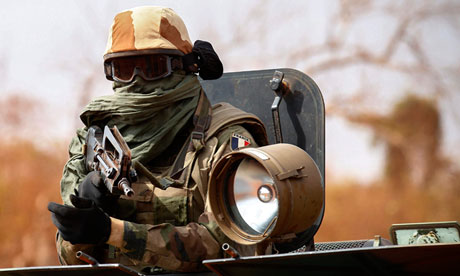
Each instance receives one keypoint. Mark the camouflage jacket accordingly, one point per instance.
(174, 228)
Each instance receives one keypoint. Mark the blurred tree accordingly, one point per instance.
(411, 134)
(414, 156)
(405, 52)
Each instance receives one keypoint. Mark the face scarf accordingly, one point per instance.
(149, 114)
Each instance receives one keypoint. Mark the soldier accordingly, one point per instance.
(175, 137)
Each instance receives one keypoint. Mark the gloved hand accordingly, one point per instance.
(83, 224)
(93, 188)
(211, 67)
(209, 64)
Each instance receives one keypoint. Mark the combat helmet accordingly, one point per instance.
(142, 36)
(147, 30)
(153, 35)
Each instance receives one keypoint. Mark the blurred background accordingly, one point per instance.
(389, 72)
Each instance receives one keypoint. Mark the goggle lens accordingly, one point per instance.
(149, 67)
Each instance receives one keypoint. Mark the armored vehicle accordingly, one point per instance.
(283, 211)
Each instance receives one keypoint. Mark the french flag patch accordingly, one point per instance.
(238, 141)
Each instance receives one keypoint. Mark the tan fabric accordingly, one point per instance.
(147, 28)
(122, 35)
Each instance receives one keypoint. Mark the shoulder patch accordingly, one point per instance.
(238, 141)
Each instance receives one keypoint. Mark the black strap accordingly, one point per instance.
(201, 122)
(201, 119)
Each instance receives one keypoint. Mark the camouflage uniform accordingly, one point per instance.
(171, 228)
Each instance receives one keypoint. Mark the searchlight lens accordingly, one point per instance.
(256, 204)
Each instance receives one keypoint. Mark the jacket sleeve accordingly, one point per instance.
(178, 248)
(75, 169)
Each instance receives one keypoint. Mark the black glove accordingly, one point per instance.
(209, 64)
(93, 188)
(85, 223)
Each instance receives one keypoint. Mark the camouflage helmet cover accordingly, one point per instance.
(147, 30)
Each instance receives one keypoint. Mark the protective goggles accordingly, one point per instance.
(149, 67)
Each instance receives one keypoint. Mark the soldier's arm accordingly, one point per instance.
(178, 248)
